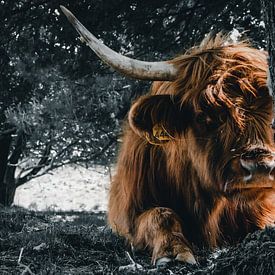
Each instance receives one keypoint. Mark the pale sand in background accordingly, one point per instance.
(69, 188)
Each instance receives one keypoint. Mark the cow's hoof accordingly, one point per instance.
(186, 257)
(162, 262)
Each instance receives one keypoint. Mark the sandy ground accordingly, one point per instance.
(69, 188)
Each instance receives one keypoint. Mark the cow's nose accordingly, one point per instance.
(258, 160)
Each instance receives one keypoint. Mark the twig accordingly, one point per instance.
(20, 255)
(24, 170)
(27, 269)
(130, 258)
(133, 267)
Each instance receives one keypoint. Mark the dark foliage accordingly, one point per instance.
(42, 59)
(62, 97)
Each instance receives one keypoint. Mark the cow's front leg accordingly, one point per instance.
(159, 229)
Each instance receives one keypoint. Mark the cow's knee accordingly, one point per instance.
(160, 230)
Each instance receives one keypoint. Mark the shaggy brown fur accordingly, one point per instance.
(167, 195)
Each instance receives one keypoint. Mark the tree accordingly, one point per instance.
(268, 7)
(58, 103)
(8, 165)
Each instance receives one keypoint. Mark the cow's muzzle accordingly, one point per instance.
(254, 168)
(257, 161)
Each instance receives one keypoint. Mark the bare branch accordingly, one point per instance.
(24, 170)
(63, 151)
(42, 163)
(52, 165)
(105, 147)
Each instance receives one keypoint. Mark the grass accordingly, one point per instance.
(81, 243)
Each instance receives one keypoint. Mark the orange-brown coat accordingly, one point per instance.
(210, 180)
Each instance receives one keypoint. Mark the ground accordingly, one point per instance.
(80, 242)
(68, 188)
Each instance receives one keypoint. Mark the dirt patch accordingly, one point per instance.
(81, 243)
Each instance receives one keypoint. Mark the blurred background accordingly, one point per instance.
(62, 110)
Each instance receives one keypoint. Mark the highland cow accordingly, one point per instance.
(196, 165)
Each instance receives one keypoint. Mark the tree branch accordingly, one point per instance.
(52, 165)
(42, 163)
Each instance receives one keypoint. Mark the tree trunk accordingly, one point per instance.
(7, 185)
(268, 8)
(10, 153)
(8, 160)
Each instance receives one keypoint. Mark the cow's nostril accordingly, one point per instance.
(248, 165)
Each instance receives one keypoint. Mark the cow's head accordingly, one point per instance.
(210, 109)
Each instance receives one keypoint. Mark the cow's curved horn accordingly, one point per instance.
(130, 67)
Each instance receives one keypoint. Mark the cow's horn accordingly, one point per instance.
(130, 67)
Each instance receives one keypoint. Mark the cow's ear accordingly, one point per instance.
(157, 118)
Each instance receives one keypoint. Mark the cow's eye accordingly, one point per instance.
(204, 121)
(200, 118)
(222, 117)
